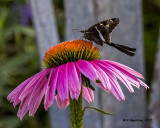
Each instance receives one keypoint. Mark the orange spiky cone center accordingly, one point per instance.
(70, 51)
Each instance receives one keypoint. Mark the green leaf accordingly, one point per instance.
(9, 122)
(3, 91)
(16, 61)
(99, 110)
(19, 29)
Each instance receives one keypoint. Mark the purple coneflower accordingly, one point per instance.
(69, 68)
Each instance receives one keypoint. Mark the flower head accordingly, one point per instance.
(70, 51)
(69, 68)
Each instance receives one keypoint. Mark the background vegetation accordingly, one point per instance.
(19, 58)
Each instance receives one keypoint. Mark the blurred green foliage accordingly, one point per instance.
(60, 18)
(19, 59)
(151, 20)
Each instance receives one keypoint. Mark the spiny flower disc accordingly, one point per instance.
(70, 51)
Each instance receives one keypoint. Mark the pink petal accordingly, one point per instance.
(131, 78)
(88, 94)
(37, 85)
(133, 81)
(53, 86)
(36, 97)
(14, 96)
(102, 76)
(46, 98)
(130, 74)
(128, 69)
(74, 95)
(16, 100)
(116, 89)
(66, 103)
(18, 89)
(143, 84)
(29, 88)
(74, 79)
(61, 103)
(115, 72)
(36, 79)
(23, 109)
(87, 69)
(62, 82)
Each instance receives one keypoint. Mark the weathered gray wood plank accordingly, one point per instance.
(80, 14)
(129, 32)
(46, 34)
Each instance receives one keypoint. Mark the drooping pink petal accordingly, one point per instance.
(100, 83)
(18, 89)
(102, 76)
(16, 100)
(74, 95)
(39, 82)
(143, 84)
(132, 78)
(132, 82)
(14, 96)
(128, 69)
(78, 73)
(115, 93)
(33, 83)
(36, 97)
(115, 72)
(88, 94)
(66, 103)
(46, 98)
(53, 85)
(130, 75)
(74, 80)
(23, 108)
(29, 87)
(116, 89)
(61, 103)
(87, 69)
(62, 82)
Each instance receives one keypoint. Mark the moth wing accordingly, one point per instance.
(93, 35)
(111, 24)
(104, 32)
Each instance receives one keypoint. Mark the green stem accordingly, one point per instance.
(76, 112)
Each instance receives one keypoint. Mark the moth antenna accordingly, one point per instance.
(76, 30)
